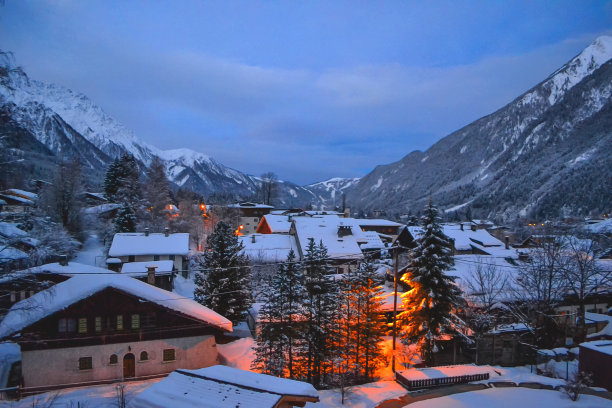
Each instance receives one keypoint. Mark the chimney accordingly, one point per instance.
(167, 231)
(146, 232)
(151, 274)
(461, 226)
(253, 238)
(507, 241)
(63, 260)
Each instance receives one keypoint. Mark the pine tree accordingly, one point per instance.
(156, 194)
(111, 180)
(125, 221)
(321, 313)
(128, 176)
(430, 303)
(224, 283)
(270, 346)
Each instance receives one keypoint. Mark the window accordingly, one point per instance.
(156, 257)
(131, 258)
(85, 363)
(66, 325)
(144, 356)
(82, 325)
(169, 355)
(171, 257)
(135, 321)
(98, 324)
(13, 296)
(119, 322)
(148, 320)
(22, 294)
(113, 359)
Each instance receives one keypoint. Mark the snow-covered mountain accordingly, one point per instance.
(546, 153)
(57, 122)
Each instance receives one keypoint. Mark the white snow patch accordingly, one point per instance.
(463, 149)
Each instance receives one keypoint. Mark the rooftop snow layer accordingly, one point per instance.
(325, 229)
(11, 230)
(257, 381)
(136, 269)
(22, 193)
(62, 295)
(446, 371)
(602, 346)
(279, 224)
(376, 222)
(72, 269)
(268, 247)
(185, 391)
(136, 243)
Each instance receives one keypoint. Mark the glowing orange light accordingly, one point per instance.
(170, 206)
(241, 227)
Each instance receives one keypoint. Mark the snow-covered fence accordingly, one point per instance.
(436, 382)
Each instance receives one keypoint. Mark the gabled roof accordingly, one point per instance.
(69, 270)
(138, 269)
(325, 229)
(376, 222)
(268, 247)
(249, 205)
(65, 294)
(137, 243)
(278, 224)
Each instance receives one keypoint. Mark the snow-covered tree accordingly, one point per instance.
(431, 302)
(223, 282)
(280, 319)
(111, 180)
(125, 220)
(156, 195)
(320, 312)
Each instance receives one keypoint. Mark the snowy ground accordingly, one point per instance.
(92, 253)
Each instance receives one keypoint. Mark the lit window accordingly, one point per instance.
(98, 324)
(169, 355)
(144, 356)
(82, 325)
(119, 322)
(85, 363)
(135, 321)
(113, 359)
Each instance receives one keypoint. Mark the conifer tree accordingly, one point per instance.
(270, 346)
(223, 285)
(156, 194)
(430, 303)
(321, 308)
(125, 221)
(111, 181)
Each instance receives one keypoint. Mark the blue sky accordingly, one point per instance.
(307, 89)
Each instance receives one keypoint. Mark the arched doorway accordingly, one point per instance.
(129, 366)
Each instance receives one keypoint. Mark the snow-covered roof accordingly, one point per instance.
(510, 328)
(446, 371)
(62, 295)
(70, 270)
(11, 230)
(136, 243)
(22, 193)
(2, 202)
(600, 227)
(8, 198)
(268, 247)
(279, 224)
(597, 317)
(11, 254)
(249, 205)
(187, 391)
(325, 229)
(602, 346)
(370, 240)
(138, 269)
(102, 208)
(376, 222)
(467, 266)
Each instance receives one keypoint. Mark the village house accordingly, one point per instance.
(219, 386)
(147, 247)
(156, 273)
(95, 329)
(18, 201)
(250, 215)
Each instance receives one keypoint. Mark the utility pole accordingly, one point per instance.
(394, 307)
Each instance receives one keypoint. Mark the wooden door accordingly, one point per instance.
(129, 366)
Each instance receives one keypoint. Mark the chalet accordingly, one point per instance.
(275, 224)
(147, 247)
(595, 357)
(250, 215)
(506, 345)
(221, 386)
(18, 201)
(94, 329)
(380, 226)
